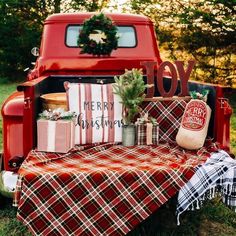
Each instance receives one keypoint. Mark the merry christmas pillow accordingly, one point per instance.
(99, 112)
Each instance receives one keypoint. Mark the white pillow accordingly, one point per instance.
(99, 112)
(194, 125)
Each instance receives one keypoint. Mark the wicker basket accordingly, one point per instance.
(53, 101)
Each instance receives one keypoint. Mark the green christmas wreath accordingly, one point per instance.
(98, 36)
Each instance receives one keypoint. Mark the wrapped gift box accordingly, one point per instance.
(55, 136)
(147, 133)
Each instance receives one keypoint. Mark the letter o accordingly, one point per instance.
(160, 82)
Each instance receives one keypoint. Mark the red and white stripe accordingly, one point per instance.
(98, 94)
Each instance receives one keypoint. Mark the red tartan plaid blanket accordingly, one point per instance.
(100, 190)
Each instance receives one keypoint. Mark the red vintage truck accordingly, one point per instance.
(60, 60)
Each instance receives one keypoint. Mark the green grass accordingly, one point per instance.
(213, 219)
(232, 100)
(9, 225)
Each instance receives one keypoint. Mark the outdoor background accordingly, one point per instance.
(203, 30)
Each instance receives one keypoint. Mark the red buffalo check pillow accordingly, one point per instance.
(99, 112)
(168, 114)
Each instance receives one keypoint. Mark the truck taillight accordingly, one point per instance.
(15, 162)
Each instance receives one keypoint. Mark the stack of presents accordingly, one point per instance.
(81, 179)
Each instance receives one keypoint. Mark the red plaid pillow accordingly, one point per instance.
(168, 115)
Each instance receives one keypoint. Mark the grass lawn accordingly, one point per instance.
(213, 219)
(233, 123)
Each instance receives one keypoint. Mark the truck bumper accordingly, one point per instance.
(8, 181)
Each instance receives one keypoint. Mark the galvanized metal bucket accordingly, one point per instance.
(128, 135)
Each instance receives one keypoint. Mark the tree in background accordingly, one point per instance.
(20, 30)
(21, 23)
(88, 5)
(208, 33)
(203, 29)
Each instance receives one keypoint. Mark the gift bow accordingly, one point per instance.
(145, 120)
(201, 96)
(57, 114)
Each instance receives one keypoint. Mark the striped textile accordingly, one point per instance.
(55, 136)
(99, 112)
(216, 177)
(100, 190)
(168, 115)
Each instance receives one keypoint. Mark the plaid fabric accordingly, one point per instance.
(142, 134)
(230, 198)
(227, 185)
(168, 115)
(100, 190)
(218, 174)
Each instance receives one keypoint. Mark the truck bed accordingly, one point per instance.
(54, 84)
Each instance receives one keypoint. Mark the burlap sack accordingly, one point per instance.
(194, 125)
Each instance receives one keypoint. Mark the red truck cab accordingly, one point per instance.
(59, 53)
(60, 60)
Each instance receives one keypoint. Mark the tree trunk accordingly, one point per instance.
(57, 6)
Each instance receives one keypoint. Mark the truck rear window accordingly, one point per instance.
(126, 34)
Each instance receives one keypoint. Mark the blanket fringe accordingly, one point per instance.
(227, 193)
(215, 178)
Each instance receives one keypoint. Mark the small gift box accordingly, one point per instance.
(147, 131)
(55, 130)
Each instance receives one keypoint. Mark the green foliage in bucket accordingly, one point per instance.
(130, 87)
